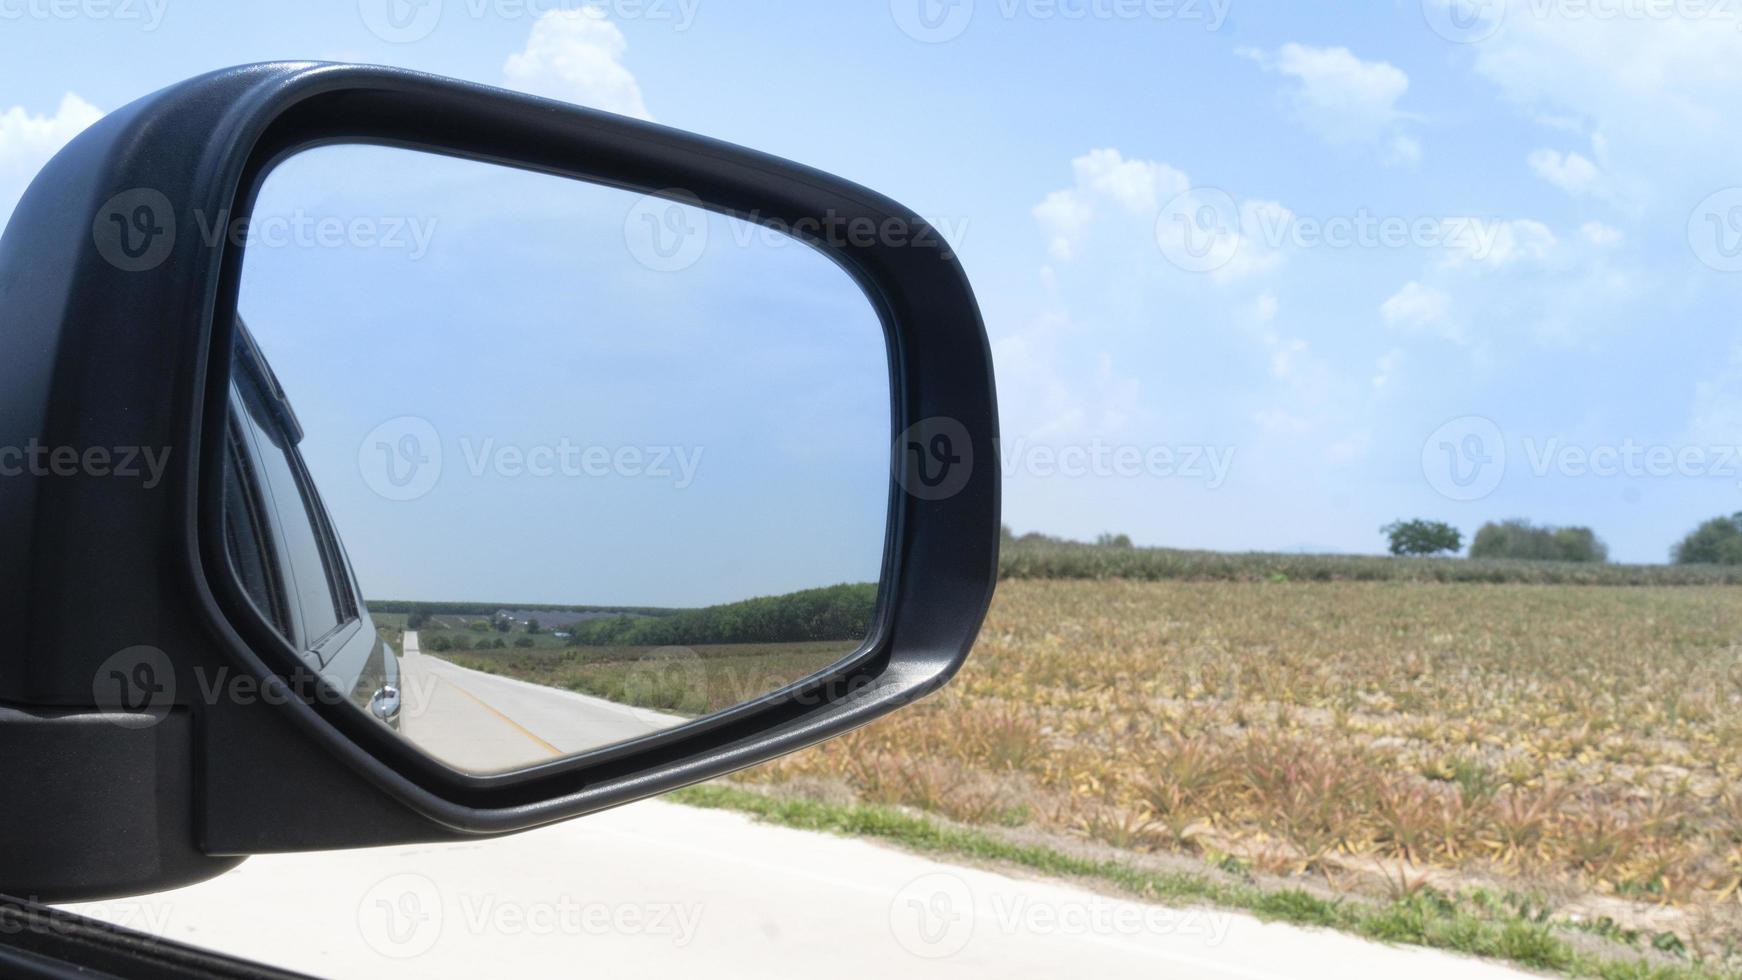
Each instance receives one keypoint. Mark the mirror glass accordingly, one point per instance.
(529, 467)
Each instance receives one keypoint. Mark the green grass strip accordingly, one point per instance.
(1430, 919)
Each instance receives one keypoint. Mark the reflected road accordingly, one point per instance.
(485, 723)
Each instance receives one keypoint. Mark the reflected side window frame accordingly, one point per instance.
(248, 527)
(263, 433)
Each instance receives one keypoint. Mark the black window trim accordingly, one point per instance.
(252, 389)
(248, 484)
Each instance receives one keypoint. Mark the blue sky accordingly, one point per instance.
(1461, 267)
(748, 390)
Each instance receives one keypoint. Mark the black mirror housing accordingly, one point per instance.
(158, 731)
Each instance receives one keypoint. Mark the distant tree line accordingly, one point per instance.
(1523, 540)
(1419, 537)
(442, 642)
(424, 610)
(838, 612)
(1715, 542)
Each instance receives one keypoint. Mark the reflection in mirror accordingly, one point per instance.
(529, 467)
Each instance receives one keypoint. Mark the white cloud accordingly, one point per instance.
(1570, 172)
(1600, 234)
(1158, 202)
(1404, 150)
(1660, 88)
(1136, 187)
(1490, 243)
(28, 141)
(1351, 447)
(1420, 309)
(1345, 100)
(1066, 216)
(1276, 421)
(1252, 251)
(1140, 186)
(574, 55)
(1038, 362)
(1717, 404)
(1286, 356)
(1265, 307)
(1385, 370)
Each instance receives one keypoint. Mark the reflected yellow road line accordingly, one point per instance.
(487, 706)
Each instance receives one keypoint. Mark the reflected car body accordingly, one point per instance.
(287, 552)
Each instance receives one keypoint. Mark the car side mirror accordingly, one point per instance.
(204, 670)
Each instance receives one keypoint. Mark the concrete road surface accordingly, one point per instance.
(485, 723)
(657, 890)
(654, 890)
